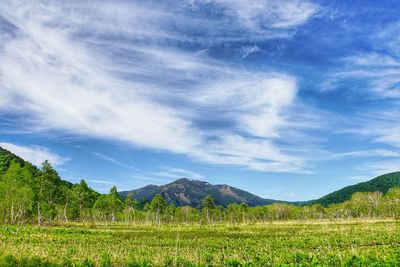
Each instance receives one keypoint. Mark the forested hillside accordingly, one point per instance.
(27, 192)
(5, 159)
(32, 195)
(379, 184)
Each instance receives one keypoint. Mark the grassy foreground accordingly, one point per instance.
(340, 243)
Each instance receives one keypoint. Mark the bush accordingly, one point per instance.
(9, 261)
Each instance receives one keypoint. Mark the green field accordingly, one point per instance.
(338, 243)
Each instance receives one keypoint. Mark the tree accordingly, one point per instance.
(158, 206)
(170, 211)
(279, 211)
(102, 205)
(187, 214)
(66, 193)
(392, 202)
(9, 187)
(233, 210)
(243, 209)
(17, 197)
(115, 202)
(365, 204)
(83, 197)
(131, 204)
(47, 192)
(208, 204)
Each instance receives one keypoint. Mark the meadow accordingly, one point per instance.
(285, 243)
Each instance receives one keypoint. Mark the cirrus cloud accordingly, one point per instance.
(142, 80)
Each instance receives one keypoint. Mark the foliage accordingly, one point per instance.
(158, 206)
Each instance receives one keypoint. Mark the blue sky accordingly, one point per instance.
(286, 99)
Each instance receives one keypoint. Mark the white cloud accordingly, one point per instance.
(375, 75)
(110, 159)
(378, 127)
(389, 38)
(257, 15)
(146, 177)
(256, 102)
(254, 154)
(34, 154)
(373, 59)
(175, 173)
(380, 81)
(245, 51)
(381, 127)
(101, 182)
(377, 71)
(380, 167)
(368, 153)
(115, 73)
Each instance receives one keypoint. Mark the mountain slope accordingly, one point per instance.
(381, 183)
(186, 192)
(6, 157)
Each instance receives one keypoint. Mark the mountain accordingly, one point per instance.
(186, 192)
(381, 183)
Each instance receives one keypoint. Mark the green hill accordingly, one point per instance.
(6, 157)
(381, 183)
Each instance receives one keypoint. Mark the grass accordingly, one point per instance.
(341, 243)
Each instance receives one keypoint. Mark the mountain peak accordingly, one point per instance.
(189, 192)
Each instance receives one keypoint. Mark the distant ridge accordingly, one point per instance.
(381, 183)
(186, 192)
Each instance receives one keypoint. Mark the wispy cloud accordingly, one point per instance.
(112, 160)
(379, 127)
(384, 128)
(149, 81)
(367, 153)
(34, 154)
(260, 15)
(374, 75)
(165, 174)
(373, 59)
(174, 173)
(104, 182)
(380, 167)
(378, 70)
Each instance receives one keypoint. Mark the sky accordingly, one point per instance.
(285, 99)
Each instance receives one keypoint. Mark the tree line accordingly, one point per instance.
(31, 195)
